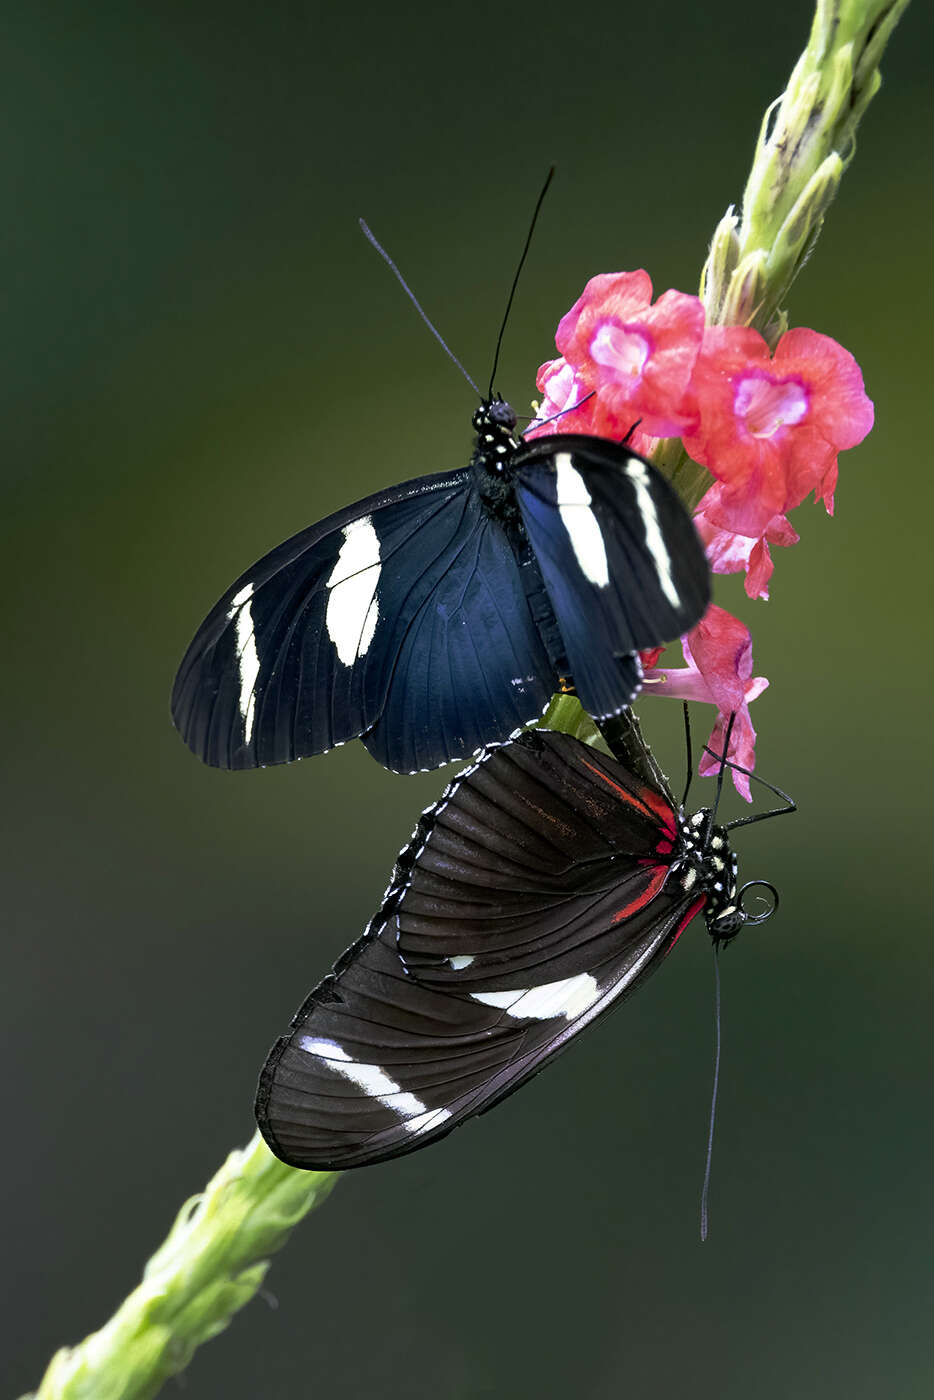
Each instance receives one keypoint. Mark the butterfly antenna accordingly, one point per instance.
(689, 753)
(791, 806)
(368, 234)
(515, 280)
(705, 1192)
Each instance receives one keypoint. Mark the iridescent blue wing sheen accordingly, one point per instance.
(621, 561)
(401, 619)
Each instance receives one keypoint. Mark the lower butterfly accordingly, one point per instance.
(546, 885)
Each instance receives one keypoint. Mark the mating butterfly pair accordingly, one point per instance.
(545, 886)
(430, 620)
(549, 881)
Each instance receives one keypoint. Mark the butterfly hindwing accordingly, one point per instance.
(402, 619)
(384, 1057)
(471, 663)
(534, 862)
(620, 558)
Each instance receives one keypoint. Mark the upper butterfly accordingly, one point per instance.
(440, 615)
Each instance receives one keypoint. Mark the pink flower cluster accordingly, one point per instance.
(767, 427)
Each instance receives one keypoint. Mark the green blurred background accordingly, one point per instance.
(201, 356)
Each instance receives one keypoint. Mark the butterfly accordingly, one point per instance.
(545, 886)
(439, 616)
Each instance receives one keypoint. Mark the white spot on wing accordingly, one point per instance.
(428, 1119)
(353, 610)
(569, 997)
(655, 544)
(461, 962)
(580, 522)
(375, 1082)
(241, 614)
(500, 999)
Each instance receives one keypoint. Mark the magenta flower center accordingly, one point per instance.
(765, 405)
(622, 349)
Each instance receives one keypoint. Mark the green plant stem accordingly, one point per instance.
(217, 1253)
(213, 1261)
(806, 140)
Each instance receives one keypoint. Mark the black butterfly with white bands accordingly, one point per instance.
(546, 885)
(440, 615)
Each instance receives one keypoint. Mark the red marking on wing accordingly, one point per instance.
(648, 894)
(662, 809)
(695, 908)
(649, 803)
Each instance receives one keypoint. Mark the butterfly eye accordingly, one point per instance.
(502, 414)
(727, 926)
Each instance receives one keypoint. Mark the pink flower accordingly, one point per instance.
(637, 356)
(562, 391)
(770, 428)
(718, 653)
(728, 552)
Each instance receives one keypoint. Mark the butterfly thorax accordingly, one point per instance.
(496, 443)
(705, 862)
(495, 425)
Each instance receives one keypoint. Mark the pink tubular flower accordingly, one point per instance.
(638, 357)
(562, 391)
(718, 653)
(728, 553)
(770, 428)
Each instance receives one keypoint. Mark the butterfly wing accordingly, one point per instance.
(369, 623)
(620, 558)
(385, 1057)
(471, 667)
(536, 863)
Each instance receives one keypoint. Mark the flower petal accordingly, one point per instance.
(718, 653)
(638, 357)
(770, 429)
(844, 414)
(729, 552)
(571, 406)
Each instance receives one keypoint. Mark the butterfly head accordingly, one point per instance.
(494, 423)
(710, 865)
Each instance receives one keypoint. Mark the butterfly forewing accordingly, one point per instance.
(377, 1064)
(402, 618)
(620, 558)
(384, 1058)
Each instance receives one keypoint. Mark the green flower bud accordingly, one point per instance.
(720, 264)
(746, 290)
